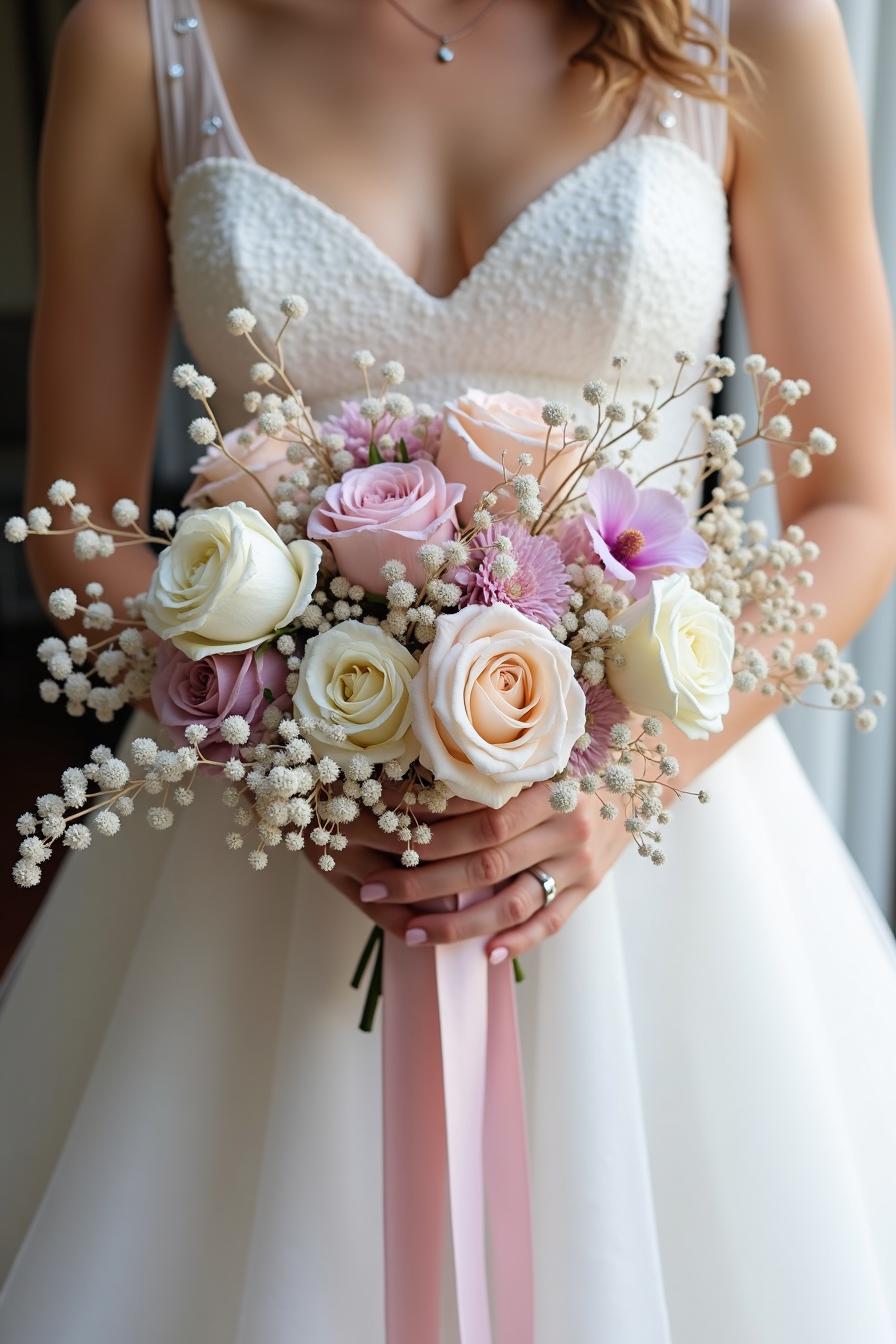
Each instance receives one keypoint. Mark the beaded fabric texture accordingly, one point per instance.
(626, 252)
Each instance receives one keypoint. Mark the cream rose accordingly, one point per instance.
(678, 651)
(227, 581)
(495, 704)
(483, 429)
(358, 678)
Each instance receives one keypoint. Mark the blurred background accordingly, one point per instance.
(855, 775)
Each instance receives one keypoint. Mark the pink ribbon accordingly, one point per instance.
(453, 1099)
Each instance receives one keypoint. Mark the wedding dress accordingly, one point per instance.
(190, 1117)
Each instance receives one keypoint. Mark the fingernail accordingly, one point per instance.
(414, 937)
(497, 955)
(374, 891)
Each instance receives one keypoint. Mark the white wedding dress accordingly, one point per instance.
(190, 1117)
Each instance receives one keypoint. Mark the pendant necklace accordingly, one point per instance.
(445, 41)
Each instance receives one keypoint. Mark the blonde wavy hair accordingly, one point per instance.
(634, 39)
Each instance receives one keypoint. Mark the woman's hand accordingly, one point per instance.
(475, 847)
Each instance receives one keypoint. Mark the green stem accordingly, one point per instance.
(374, 989)
(519, 974)
(376, 935)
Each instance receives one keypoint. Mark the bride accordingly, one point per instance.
(190, 1120)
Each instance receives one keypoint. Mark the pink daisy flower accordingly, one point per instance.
(420, 441)
(538, 588)
(602, 711)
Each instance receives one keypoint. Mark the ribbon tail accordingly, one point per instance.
(462, 981)
(414, 1149)
(507, 1165)
(453, 1090)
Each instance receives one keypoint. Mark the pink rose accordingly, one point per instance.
(482, 430)
(206, 690)
(218, 481)
(386, 512)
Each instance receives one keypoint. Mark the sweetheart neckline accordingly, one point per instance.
(467, 282)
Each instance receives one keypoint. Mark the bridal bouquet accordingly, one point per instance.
(399, 605)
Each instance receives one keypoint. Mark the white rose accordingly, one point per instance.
(227, 581)
(496, 704)
(358, 677)
(678, 653)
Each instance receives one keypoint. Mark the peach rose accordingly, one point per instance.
(495, 704)
(386, 512)
(218, 481)
(481, 428)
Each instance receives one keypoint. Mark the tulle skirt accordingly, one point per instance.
(191, 1119)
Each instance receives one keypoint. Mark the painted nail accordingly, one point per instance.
(374, 891)
(414, 937)
(497, 955)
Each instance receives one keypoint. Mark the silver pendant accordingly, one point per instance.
(444, 55)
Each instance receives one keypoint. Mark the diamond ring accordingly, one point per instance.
(546, 882)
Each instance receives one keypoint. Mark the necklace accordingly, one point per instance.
(444, 50)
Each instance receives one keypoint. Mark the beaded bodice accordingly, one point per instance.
(627, 252)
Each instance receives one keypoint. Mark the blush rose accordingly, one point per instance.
(496, 705)
(482, 437)
(218, 481)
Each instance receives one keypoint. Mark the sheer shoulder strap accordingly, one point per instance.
(671, 114)
(195, 121)
(704, 125)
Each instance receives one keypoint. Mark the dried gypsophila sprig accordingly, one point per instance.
(276, 786)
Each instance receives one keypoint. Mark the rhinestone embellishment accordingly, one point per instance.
(175, 70)
(187, 24)
(667, 119)
(212, 125)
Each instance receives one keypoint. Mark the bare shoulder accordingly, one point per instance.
(759, 18)
(783, 38)
(803, 115)
(97, 30)
(103, 61)
(102, 120)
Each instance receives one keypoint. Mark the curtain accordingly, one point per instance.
(854, 773)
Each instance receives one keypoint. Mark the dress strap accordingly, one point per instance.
(195, 121)
(671, 114)
(704, 125)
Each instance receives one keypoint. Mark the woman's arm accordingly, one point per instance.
(814, 291)
(104, 306)
(808, 262)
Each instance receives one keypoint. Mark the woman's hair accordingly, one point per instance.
(663, 39)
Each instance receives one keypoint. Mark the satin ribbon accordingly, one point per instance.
(453, 1105)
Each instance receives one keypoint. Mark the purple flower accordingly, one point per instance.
(639, 535)
(602, 711)
(420, 440)
(538, 588)
(206, 690)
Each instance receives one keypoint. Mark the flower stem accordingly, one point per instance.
(376, 935)
(375, 988)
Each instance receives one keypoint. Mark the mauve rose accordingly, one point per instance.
(206, 690)
(219, 481)
(386, 512)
